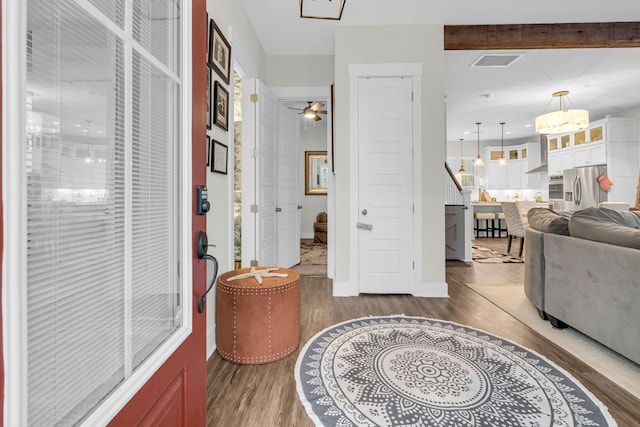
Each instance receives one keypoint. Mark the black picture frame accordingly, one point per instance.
(208, 97)
(220, 106)
(219, 52)
(219, 157)
(208, 150)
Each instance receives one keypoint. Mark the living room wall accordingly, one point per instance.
(395, 44)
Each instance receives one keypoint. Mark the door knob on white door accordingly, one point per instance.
(364, 212)
(278, 209)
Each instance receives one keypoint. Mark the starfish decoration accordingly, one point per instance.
(258, 274)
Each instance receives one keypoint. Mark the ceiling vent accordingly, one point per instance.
(496, 60)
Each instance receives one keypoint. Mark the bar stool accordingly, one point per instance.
(500, 221)
(486, 216)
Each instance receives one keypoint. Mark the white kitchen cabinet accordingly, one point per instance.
(589, 155)
(610, 141)
(513, 175)
(496, 175)
(558, 161)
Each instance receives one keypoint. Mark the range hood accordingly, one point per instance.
(542, 168)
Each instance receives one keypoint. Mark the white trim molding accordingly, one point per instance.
(432, 290)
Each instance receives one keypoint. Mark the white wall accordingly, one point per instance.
(312, 139)
(230, 16)
(395, 44)
(310, 70)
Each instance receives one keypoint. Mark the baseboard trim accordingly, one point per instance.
(345, 289)
(306, 235)
(211, 340)
(432, 290)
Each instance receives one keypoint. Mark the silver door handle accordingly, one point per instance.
(364, 212)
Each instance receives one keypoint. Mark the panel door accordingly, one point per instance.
(454, 231)
(288, 191)
(385, 202)
(128, 88)
(266, 178)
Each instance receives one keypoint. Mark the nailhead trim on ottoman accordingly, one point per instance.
(257, 323)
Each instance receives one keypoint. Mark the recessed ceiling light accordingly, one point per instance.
(528, 125)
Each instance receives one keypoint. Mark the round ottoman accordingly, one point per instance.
(257, 323)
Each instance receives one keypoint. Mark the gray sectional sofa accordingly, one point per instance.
(583, 270)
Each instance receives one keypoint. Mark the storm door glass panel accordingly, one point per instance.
(101, 147)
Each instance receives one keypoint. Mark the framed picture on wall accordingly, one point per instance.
(219, 52)
(208, 150)
(316, 173)
(209, 97)
(219, 155)
(220, 106)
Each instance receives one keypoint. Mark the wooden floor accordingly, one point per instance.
(265, 395)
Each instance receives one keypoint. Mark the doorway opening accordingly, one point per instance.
(237, 170)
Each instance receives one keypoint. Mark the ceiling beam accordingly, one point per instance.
(542, 36)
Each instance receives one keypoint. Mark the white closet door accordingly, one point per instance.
(385, 202)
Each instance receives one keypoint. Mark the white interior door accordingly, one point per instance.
(385, 193)
(266, 176)
(288, 188)
(259, 225)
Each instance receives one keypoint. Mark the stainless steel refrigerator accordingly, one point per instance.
(581, 187)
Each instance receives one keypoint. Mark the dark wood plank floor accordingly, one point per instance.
(265, 395)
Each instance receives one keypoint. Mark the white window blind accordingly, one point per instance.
(102, 139)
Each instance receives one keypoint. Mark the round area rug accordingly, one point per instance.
(412, 371)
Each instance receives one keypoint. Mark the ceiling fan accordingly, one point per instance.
(312, 111)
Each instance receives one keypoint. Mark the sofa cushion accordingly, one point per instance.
(548, 221)
(620, 228)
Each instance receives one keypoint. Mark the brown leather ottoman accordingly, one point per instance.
(257, 323)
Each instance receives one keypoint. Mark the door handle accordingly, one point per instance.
(202, 244)
(278, 209)
(364, 212)
(299, 206)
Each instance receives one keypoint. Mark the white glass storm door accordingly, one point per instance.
(101, 171)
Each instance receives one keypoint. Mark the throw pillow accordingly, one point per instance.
(618, 228)
(548, 221)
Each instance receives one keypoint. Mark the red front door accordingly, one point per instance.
(176, 394)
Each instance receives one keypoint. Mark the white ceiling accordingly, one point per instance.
(604, 81)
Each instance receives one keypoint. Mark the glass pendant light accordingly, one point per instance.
(478, 161)
(462, 169)
(563, 120)
(502, 161)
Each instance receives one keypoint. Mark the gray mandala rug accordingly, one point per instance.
(412, 371)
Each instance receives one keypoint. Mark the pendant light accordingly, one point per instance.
(478, 161)
(462, 169)
(502, 161)
(563, 120)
